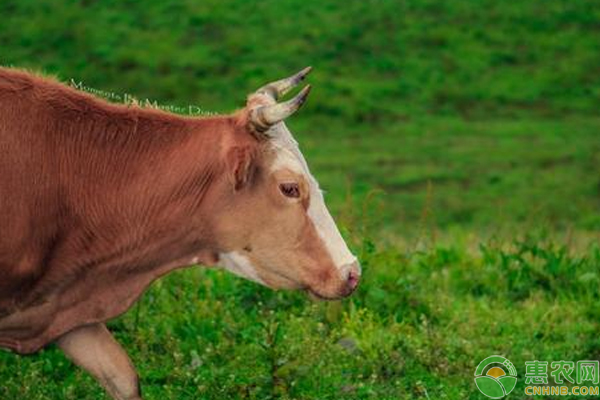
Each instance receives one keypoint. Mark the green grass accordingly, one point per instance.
(489, 176)
(418, 327)
(459, 145)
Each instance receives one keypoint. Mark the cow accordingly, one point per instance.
(98, 200)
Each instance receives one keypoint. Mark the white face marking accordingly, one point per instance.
(239, 265)
(284, 158)
(289, 156)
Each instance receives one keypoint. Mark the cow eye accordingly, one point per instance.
(290, 189)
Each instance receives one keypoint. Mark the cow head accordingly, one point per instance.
(278, 230)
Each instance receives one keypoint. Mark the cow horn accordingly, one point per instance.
(279, 88)
(264, 117)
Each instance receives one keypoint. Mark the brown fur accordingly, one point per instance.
(97, 200)
(90, 186)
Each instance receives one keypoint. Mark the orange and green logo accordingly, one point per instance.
(495, 377)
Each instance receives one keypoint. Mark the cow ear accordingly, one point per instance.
(240, 166)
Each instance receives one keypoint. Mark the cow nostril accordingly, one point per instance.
(353, 277)
(352, 280)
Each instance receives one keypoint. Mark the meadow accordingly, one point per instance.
(459, 146)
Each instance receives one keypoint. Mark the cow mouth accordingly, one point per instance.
(292, 284)
(317, 296)
(285, 282)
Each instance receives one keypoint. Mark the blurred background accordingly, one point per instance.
(459, 146)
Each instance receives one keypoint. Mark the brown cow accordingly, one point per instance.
(97, 200)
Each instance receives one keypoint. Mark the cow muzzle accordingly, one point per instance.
(346, 285)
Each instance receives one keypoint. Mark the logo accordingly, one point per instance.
(495, 377)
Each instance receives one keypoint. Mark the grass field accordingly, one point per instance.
(459, 145)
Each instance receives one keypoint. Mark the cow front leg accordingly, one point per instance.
(93, 348)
